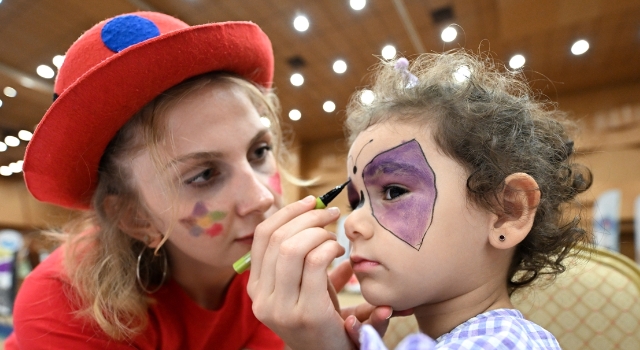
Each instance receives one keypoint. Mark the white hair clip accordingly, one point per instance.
(402, 65)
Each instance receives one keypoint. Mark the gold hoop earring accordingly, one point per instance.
(164, 271)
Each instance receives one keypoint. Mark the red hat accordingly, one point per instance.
(111, 72)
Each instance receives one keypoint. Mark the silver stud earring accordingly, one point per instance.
(501, 238)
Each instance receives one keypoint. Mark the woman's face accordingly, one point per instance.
(416, 239)
(222, 171)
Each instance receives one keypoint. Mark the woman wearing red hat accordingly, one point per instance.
(174, 169)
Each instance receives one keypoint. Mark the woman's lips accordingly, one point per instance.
(246, 239)
(360, 264)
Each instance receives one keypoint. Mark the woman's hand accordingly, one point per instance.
(288, 284)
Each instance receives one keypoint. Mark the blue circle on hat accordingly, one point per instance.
(124, 31)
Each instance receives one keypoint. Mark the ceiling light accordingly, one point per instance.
(0, 103)
(516, 61)
(357, 4)
(5, 171)
(10, 92)
(367, 97)
(27, 82)
(329, 106)
(295, 114)
(24, 135)
(339, 66)
(45, 71)
(449, 34)
(388, 52)
(297, 79)
(301, 23)
(12, 141)
(15, 167)
(580, 47)
(3, 146)
(58, 60)
(265, 121)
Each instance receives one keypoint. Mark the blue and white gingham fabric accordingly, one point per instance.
(503, 329)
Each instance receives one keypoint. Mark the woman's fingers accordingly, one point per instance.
(340, 275)
(313, 289)
(352, 327)
(377, 316)
(291, 261)
(268, 274)
(264, 231)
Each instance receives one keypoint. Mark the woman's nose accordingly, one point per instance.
(253, 193)
(358, 225)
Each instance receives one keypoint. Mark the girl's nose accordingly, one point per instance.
(358, 225)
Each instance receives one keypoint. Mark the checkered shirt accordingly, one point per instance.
(496, 329)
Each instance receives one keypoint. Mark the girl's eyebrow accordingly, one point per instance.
(393, 167)
(213, 154)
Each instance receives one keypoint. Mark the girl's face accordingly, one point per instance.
(416, 239)
(222, 173)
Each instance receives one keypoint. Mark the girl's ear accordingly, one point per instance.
(519, 198)
(132, 221)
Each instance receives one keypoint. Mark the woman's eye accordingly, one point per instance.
(203, 178)
(393, 192)
(261, 152)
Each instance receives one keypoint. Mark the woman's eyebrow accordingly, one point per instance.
(195, 156)
(258, 136)
(212, 154)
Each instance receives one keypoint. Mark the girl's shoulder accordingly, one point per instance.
(503, 329)
(500, 329)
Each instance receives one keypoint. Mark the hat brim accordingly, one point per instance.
(61, 161)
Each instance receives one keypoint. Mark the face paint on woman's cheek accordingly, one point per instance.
(275, 184)
(409, 216)
(202, 221)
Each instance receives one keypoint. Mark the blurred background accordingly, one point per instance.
(582, 54)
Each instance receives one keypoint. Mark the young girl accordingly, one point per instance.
(458, 181)
(156, 133)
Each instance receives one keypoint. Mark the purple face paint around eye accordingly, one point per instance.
(409, 215)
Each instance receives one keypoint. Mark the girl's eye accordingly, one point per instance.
(352, 195)
(203, 178)
(353, 203)
(260, 153)
(393, 192)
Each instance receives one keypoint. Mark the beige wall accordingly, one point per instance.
(18, 209)
(609, 140)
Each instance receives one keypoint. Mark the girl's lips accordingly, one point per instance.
(360, 264)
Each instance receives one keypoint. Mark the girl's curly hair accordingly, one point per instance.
(490, 121)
